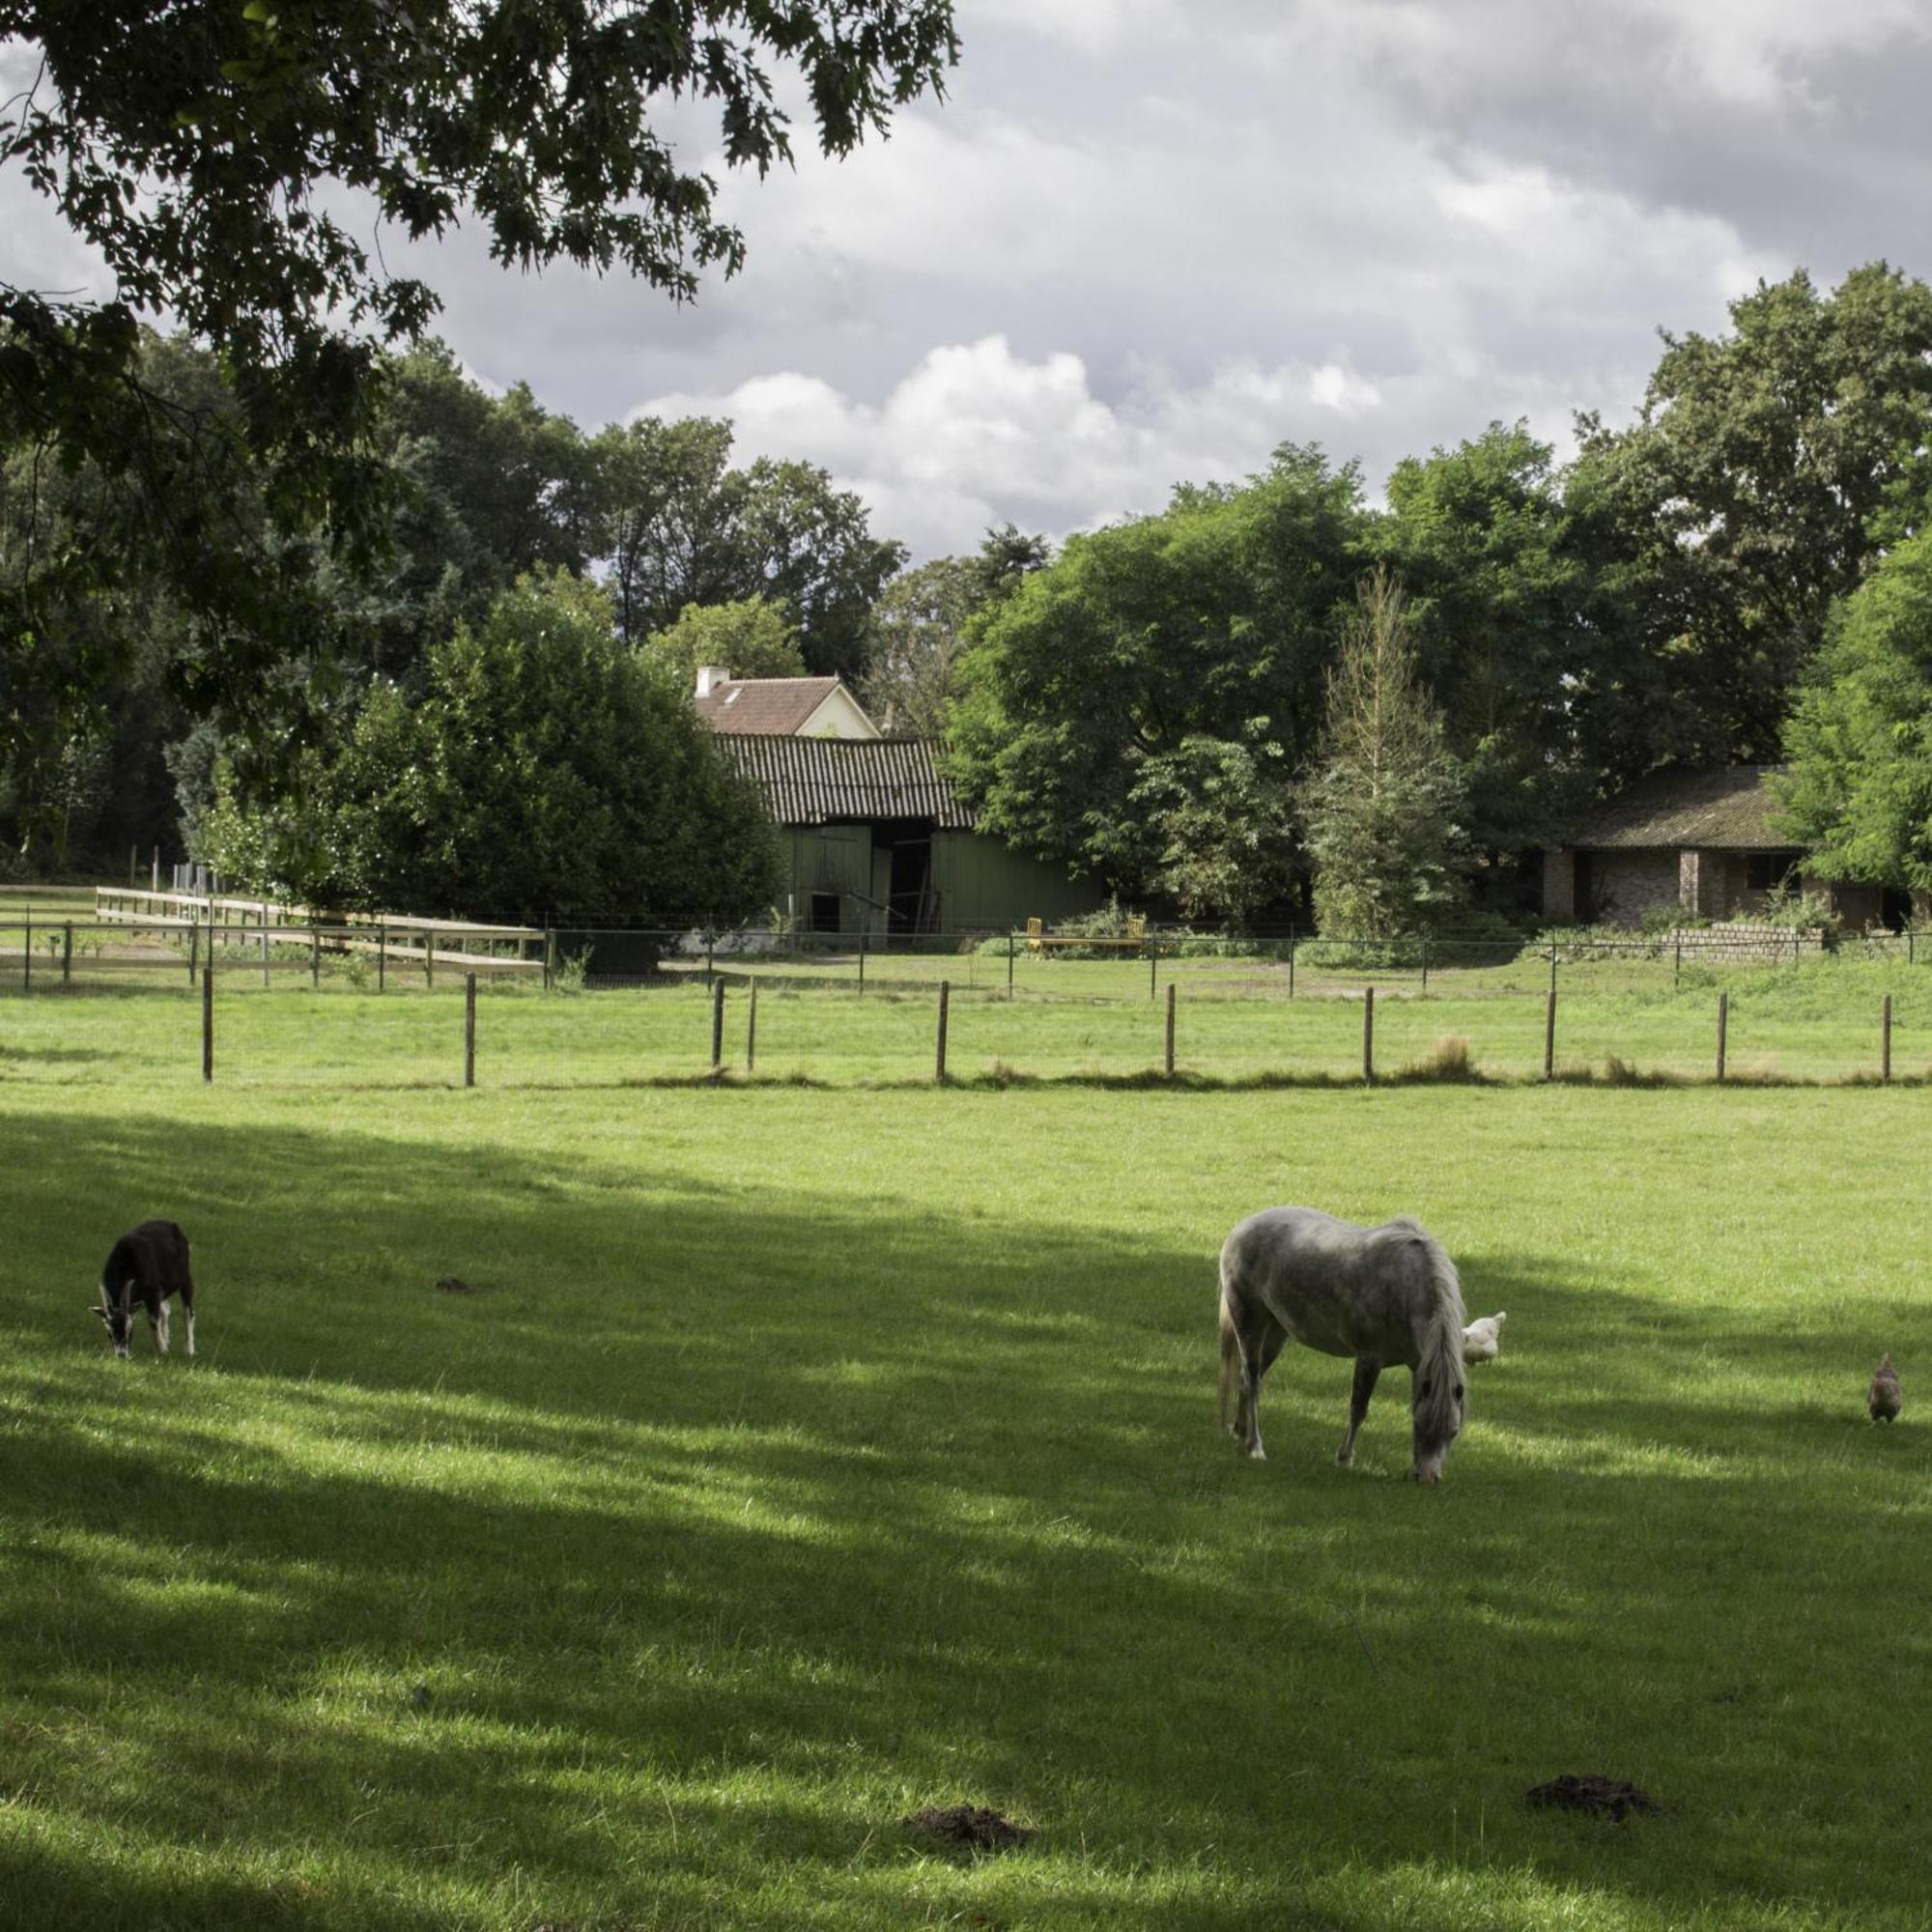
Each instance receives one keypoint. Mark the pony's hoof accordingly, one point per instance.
(1345, 1458)
(1258, 1454)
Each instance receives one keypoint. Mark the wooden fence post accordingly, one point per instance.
(1723, 1029)
(469, 1028)
(1369, 1034)
(208, 1017)
(752, 1028)
(428, 958)
(381, 954)
(939, 1063)
(717, 1028)
(1885, 1043)
(1170, 1028)
(315, 957)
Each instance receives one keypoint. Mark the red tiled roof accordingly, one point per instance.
(764, 706)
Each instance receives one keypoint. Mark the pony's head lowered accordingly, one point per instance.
(1436, 1407)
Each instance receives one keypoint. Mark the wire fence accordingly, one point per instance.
(434, 1003)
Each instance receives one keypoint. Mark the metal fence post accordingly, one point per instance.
(381, 954)
(1677, 971)
(1154, 960)
(1723, 1029)
(194, 948)
(1885, 1043)
(708, 978)
(1012, 948)
(1368, 1036)
(752, 1027)
(67, 955)
(939, 1063)
(28, 955)
(264, 942)
(315, 957)
(864, 947)
(1425, 962)
(428, 958)
(1290, 965)
(717, 1027)
(1550, 1033)
(1170, 1028)
(208, 1018)
(469, 1028)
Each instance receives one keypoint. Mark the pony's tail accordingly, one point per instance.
(1230, 1347)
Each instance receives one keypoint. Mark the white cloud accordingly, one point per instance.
(975, 434)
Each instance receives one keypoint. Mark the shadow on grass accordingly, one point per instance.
(727, 1523)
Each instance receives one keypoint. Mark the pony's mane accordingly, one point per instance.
(1440, 1367)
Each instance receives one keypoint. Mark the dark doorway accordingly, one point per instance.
(909, 900)
(825, 912)
(1584, 909)
(1894, 909)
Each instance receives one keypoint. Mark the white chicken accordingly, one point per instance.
(1483, 1341)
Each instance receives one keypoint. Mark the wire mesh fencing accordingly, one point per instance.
(432, 1003)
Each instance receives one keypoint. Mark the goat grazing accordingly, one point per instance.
(147, 1265)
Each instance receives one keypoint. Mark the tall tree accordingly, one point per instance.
(1859, 742)
(682, 526)
(1383, 812)
(921, 626)
(1213, 622)
(1767, 471)
(198, 147)
(1498, 617)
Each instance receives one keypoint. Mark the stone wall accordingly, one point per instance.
(1745, 944)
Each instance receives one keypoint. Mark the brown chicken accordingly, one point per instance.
(1882, 1399)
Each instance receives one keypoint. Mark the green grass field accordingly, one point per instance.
(806, 1457)
(1068, 1021)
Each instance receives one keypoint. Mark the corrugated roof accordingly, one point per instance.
(1729, 808)
(845, 781)
(778, 705)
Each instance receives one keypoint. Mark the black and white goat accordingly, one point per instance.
(147, 1264)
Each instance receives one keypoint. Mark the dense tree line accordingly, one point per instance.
(1163, 704)
(1666, 597)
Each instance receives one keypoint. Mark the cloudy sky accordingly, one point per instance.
(1145, 240)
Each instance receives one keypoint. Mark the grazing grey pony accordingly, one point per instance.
(1381, 1295)
(144, 1266)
